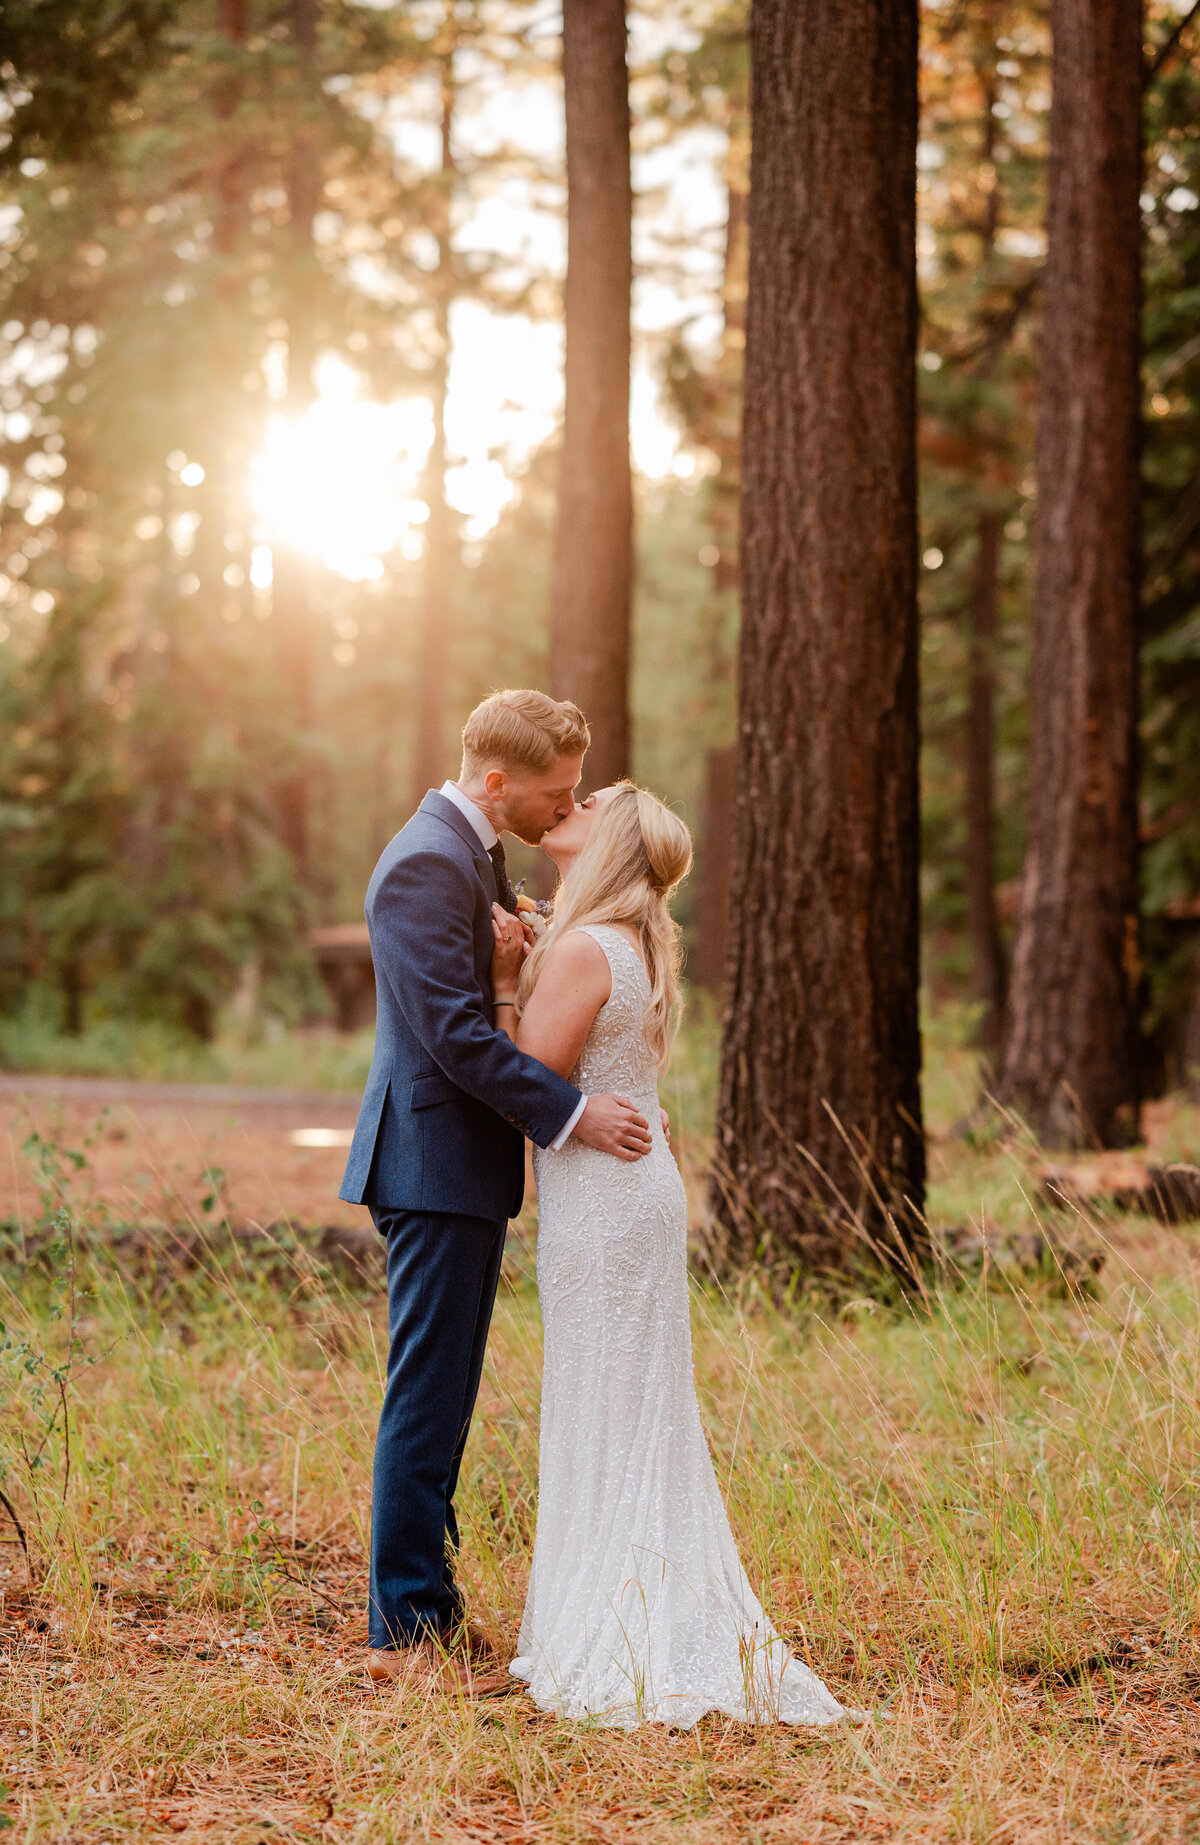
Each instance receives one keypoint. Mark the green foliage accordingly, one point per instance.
(144, 737)
(158, 275)
(142, 867)
(60, 812)
(154, 1050)
(77, 68)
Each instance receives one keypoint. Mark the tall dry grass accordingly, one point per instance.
(979, 1519)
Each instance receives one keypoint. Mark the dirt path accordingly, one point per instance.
(155, 1152)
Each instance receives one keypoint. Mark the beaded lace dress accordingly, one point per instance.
(638, 1608)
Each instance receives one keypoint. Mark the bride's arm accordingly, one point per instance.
(574, 983)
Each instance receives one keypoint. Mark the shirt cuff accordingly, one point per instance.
(565, 1132)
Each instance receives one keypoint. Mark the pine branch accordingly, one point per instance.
(1168, 46)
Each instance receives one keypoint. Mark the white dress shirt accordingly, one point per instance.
(488, 837)
(486, 832)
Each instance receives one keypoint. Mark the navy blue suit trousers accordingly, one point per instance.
(442, 1272)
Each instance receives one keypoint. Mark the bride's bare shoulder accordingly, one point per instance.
(577, 957)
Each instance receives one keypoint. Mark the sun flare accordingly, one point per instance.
(343, 483)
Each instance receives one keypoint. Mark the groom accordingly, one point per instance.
(438, 1154)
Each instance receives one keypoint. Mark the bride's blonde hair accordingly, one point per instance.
(635, 855)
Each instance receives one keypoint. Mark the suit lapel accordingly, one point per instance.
(444, 810)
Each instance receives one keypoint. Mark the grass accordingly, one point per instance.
(314, 1057)
(981, 1519)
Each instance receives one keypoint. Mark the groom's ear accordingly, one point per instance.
(494, 781)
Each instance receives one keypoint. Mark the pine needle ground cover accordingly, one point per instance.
(977, 1517)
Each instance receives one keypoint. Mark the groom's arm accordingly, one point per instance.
(422, 944)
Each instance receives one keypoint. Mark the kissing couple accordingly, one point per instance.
(638, 1607)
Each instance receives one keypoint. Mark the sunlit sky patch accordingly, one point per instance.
(346, 486)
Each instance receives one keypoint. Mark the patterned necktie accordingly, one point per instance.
(504, 890)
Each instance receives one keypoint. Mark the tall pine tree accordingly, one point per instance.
(820, 1151)
(593, 571)
(1071, 1057)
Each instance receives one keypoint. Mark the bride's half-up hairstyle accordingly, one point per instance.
(635, 855)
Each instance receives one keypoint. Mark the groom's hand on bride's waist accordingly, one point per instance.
(613, 1124)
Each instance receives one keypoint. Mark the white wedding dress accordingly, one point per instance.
(638, 1608)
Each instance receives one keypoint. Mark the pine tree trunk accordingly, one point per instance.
(226, 357)
(1071, 1058)
(714, 855)
(291, 598)
(983, 922)
(228, 174)
(987, 961)
(706, 962)
(820, 1150)
(431, 762)
(593, 567)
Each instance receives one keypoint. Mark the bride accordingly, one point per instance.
(638, 1608)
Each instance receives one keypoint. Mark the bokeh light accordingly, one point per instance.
(339, 484)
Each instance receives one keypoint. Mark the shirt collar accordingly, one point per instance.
(484, 830)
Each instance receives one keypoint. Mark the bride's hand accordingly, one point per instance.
(508, 954)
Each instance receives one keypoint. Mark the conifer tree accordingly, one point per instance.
(820, 1153)
(1071, 1060)
(591, 600)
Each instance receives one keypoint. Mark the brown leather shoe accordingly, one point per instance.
(385, 1665)
(469, 1638)
(427, 1664)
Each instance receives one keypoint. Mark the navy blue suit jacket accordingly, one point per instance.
(449, 1097)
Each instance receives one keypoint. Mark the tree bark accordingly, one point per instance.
(821, 1158)
(714, 856)
(229, 163)
(430, 762)
(1071, 1063)
(591, 597)
(227, 352)
(987, 960)
(983, 922)
(291, 599)
(706, 962)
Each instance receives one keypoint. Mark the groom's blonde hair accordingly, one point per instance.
(518, 729)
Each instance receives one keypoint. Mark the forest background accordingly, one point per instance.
(282, 382)
(255, 260)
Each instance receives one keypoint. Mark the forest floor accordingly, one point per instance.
(978, 1519)
(154, 1151)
